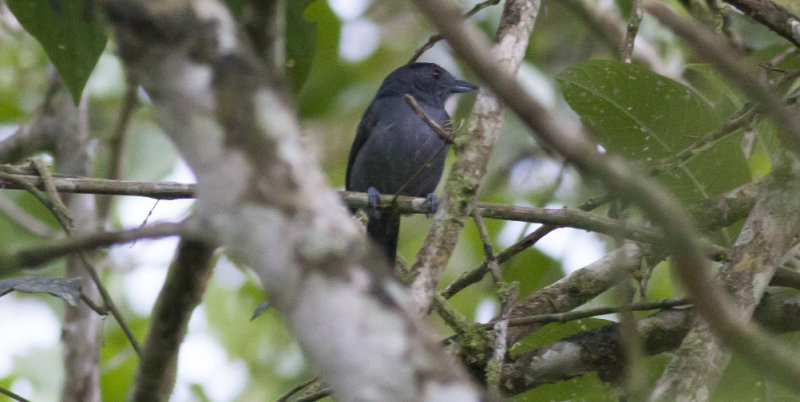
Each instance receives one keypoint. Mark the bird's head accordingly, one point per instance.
(427, 82)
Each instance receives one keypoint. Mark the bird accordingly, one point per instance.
(395, 151)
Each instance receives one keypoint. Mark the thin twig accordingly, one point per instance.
(508, 298)
(39, 255)
(740, 119)
(400, 204)
(635, 377)
(182, 291)
(413, 176)
(67, 226)
(12, 395)
(723, 58)
(97, 309)
(487, 245)
(85, 185)
(626, 51)
(38, 194)
(118, 141)
(441, 132)
(433, 39)
(476, 274)
(769, 66)
(397, 203)
(23, 218)
(580, 314)
(297, 388)
(146, 218)
(58, 204)
(446, 134)
(772, 15)
(315, 396)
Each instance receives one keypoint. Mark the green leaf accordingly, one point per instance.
(301, 41)
(533, 270)
(743, 382)
(9, 105)
(765, 145)
(624, 7)
(555, 332)
(236, 6)
(638, 113)
(648, 118)
(71, 34)
(716, 169)
(327, 77)
(725, 96)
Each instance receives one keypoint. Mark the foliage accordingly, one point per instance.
(70, 33)
(636, 113)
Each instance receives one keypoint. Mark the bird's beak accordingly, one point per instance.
(463, 86)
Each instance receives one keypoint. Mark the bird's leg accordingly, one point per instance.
(373, 198)
(433, 203)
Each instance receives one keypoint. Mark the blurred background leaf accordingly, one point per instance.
(71, 32)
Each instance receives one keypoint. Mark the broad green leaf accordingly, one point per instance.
(71, 34)
(765, 145)
(9, 105)
(555, 332)
(236, 6)
(301, 40)
(327, 77)
(648, 118)
(637, 113)
(716, 169)
(118, 360)
(724, 95)
(533, 270)
(742, 382)
(624, 7)
(587, 387)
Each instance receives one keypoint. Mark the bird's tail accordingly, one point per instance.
(383, 230)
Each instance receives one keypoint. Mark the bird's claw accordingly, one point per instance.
(373, 199)
(433, 203)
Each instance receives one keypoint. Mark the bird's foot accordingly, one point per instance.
(373, 199)
(433, 203)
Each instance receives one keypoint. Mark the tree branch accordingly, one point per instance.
(555, 217)
(600, 350)
(723, 57)
(41, 131)
(182, 292)
(769, 232)
(773, 16)
(83, 185)
(34, 257)
(463, 182)
(710, 301)
(433, 39)
(264, 197)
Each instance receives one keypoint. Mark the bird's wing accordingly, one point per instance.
(365, 127)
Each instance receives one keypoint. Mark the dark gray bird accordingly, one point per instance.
(394, 151)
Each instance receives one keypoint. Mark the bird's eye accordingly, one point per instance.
(437, 73)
